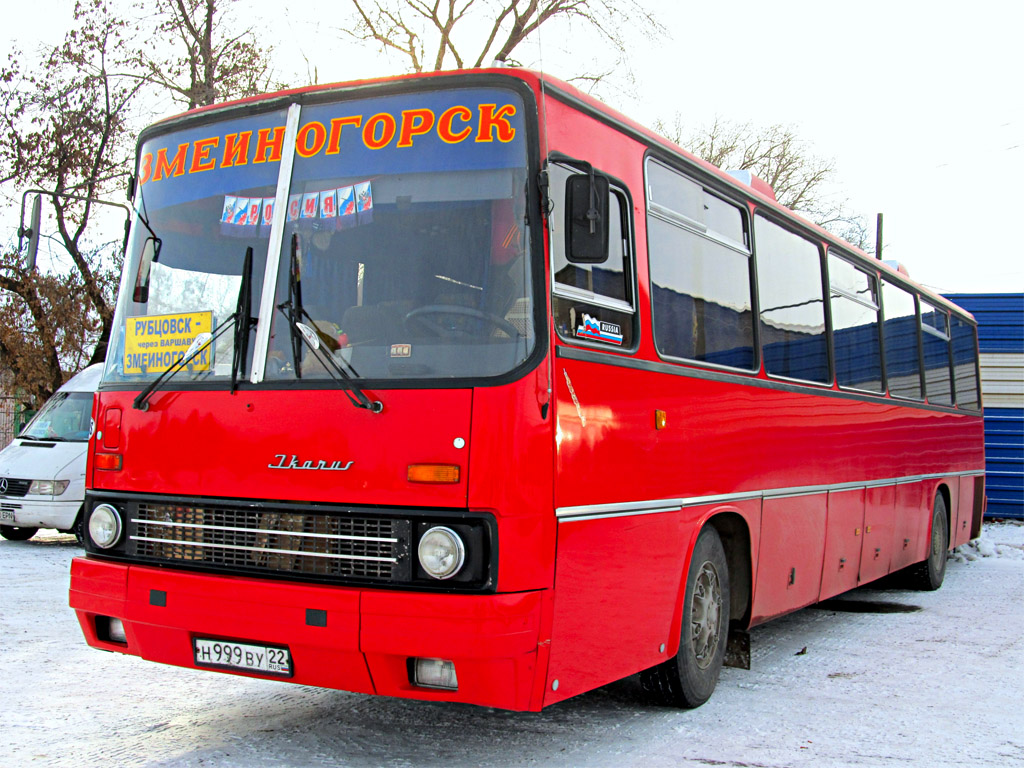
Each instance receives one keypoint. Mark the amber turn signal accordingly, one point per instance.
(433, 473)
(107, 461)
(660, 419)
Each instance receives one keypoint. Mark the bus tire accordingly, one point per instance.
(688, 679)
(17, 533)
(927, 576)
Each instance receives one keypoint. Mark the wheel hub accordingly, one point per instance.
(706, 615)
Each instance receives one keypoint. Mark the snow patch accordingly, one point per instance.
(1004, 538)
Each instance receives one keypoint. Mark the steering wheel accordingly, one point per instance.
(421, 317)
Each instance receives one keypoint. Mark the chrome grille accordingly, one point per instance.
(15, 487)
(268, 540)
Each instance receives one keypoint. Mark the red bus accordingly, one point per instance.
(464, 387)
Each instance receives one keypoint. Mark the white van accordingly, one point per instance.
(42, 471)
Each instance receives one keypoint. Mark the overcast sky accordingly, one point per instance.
(918, 103)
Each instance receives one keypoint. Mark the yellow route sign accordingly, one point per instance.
(153, 343)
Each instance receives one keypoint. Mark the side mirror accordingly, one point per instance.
(150, 255)
(586, 218)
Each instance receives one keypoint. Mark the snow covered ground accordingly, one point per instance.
(913, 679)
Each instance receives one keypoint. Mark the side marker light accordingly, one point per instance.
(433, 473)
(111, 461)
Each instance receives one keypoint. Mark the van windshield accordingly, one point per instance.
(67, 417)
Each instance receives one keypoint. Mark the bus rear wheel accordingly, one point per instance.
(928, 575)
(16, 533)
(688, 679)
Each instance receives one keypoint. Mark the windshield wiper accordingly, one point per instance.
(244, 321)
(294, 304)
(303, 334)
(201, 342)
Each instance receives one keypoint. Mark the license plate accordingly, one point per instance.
(7, 516)
(249, 657)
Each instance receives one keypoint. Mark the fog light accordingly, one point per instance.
(116, 631)
(441, 552)
(110, 630)
(105, 526)
(435, 673)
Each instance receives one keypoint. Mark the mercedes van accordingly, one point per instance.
(42, 471)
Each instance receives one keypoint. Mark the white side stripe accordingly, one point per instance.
(657, 506)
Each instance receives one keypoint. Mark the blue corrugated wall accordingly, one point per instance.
(1000, 319)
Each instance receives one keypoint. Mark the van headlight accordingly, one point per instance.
(105, 526)
(441, 552)
(48, 487)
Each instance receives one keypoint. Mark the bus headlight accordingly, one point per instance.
(441, 552)
(105, 526)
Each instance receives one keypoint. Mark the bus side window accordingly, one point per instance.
(792, 311)
(855, 304)
(592, 302)
(699, 252)
(965, 371)
(935, 338)
(900, 342)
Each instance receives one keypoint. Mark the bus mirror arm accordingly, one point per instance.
(587, 198)
(543, 184)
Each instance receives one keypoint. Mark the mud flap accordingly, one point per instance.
(737, 650)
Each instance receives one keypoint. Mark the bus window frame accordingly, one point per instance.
(652, 208)
(973, 325)
(770, 216)
(948, 338)
(873, 274)
(619, 190)
(920, 353)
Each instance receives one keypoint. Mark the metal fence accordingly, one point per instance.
(1000, 319)
(7, 411)
(13, 417)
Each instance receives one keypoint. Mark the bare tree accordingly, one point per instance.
(64, 131)
(802, 180)
(210, 58)
(67, 122)
(423, 32)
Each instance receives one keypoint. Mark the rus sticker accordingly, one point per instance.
(364, 197)
(229, 209)
(255, 205)
(241, 213)
(595, 330)
(310, 204)
(328, 204)
(294, 207)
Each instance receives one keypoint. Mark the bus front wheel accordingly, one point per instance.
(688, 679)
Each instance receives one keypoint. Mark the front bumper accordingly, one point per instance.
(39, 513)
(363, 646)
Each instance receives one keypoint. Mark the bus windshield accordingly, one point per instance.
(400, 250)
